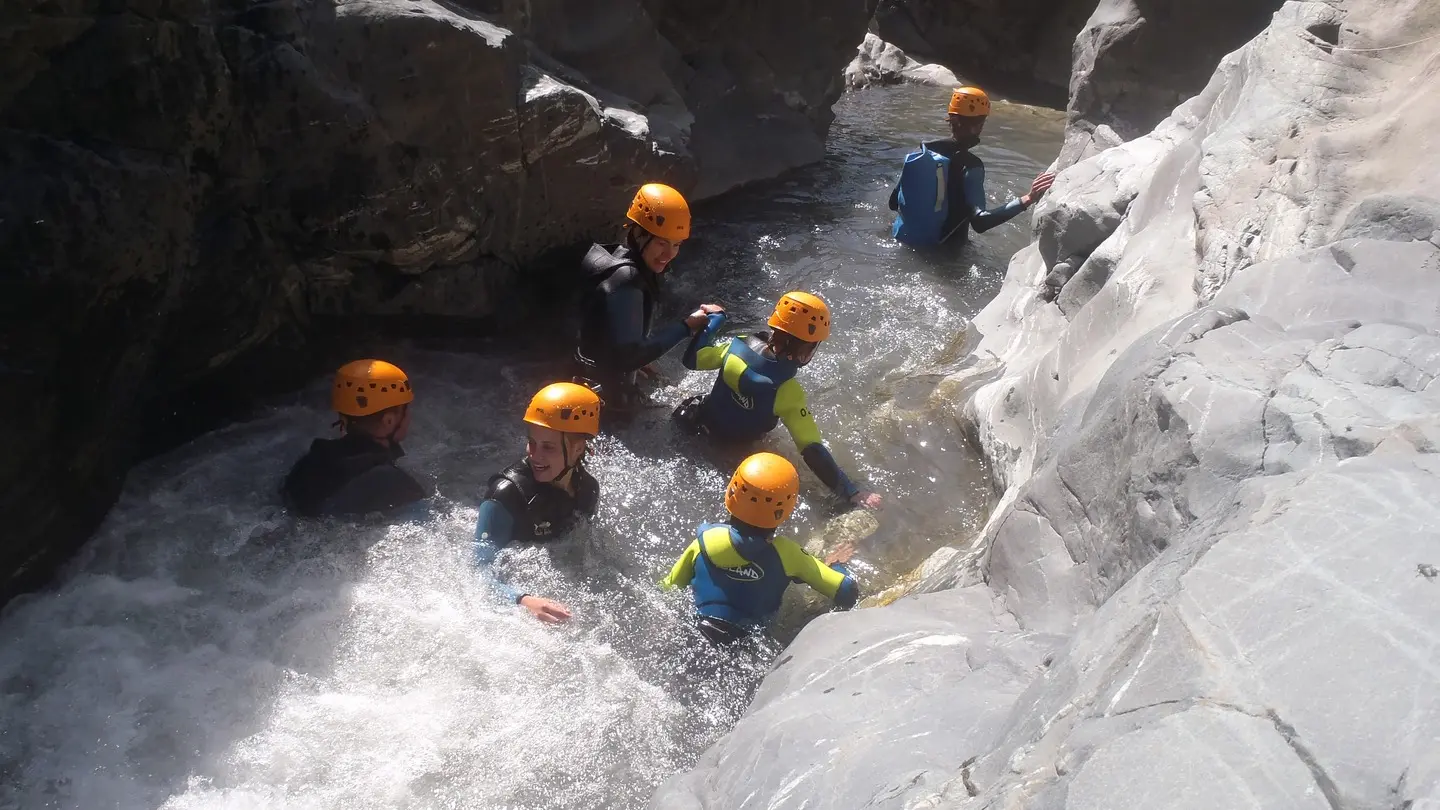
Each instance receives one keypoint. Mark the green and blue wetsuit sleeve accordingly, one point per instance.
(791, 408)
(831, 581)
(703, 354)
(684, 569)
(630, 348)
(493, 529)
(974, 186)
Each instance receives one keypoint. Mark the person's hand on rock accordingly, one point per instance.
(1038, 188)
(651, 372)
(841, 554)
(869, 500)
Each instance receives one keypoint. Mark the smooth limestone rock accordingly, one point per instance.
(1219, 458)
(190, 192)
(869, 709)
(1135, 60)
(878, 62)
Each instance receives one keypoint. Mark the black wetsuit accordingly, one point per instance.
(518, 509)
(353, 474)
(616, 314)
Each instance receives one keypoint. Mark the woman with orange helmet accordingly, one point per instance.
(621, 288)
(739, 569)
(930, 212)
(356, 473)
(539, 498)
(756, 388)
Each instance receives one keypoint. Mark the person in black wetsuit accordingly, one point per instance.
(356, 473)
(622, 283)
(965, 183)
(539, 498)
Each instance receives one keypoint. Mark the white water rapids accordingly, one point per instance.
(207, 650)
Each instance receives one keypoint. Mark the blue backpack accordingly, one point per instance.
(923, 202)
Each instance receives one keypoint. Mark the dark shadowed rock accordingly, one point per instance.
(186, 187)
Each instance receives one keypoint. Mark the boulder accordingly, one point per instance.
(855, 713)
(878, 62)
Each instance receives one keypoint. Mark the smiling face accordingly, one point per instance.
(549, 452)
(658, 253)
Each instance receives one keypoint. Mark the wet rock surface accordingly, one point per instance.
(879, 62)
(1208, 392)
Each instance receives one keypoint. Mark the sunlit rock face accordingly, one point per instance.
(1207, 390)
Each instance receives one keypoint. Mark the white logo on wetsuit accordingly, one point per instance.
(750, 573)
(748, 403)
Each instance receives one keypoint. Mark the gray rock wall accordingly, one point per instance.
(1208, 390)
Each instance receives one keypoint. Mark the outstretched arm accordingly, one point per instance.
(791, 408)
(831, 581)
(494, 528)
(981, 219)
(625, 311)
(703, 353)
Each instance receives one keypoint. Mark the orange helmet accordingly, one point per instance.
(802, 315)
(662, 211)
(566, 407)
(763, 490)
(369, 386)
(969, 102)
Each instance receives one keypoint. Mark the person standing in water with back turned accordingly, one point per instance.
(756, 387)
(622, 283)
(739, 569)
(963, 192)
(538, 498)
(356, 473)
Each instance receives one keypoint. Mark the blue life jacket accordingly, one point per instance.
(924, 204)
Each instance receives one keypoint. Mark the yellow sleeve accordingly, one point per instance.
(710, 357)
(734, 370)
(808, 569)
(790, 407)
(684, 569)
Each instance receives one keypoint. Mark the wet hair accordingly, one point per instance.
(636, 237)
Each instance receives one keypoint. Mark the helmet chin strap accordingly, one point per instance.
(565, 457)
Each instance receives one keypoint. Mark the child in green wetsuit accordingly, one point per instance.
(756, 388)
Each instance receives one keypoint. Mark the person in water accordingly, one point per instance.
(756, 388)
(622, 283)
(539, 498)
(356, 473)
(965, 173)
(739, 569)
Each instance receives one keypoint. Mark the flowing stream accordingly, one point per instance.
(208, 650)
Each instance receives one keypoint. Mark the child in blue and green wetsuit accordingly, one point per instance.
(756, 388)
(739, 570)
